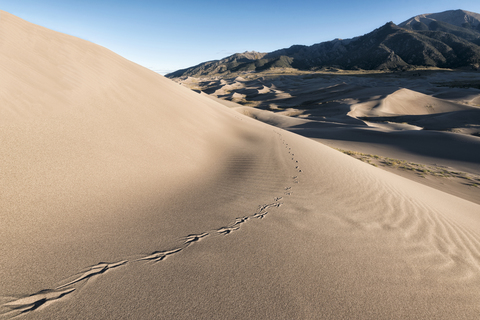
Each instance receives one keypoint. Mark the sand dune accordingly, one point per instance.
(127, 196)
(356, 107)
(405, 102)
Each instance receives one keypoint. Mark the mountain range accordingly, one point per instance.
(449, 39)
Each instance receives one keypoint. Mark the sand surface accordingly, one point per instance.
(125, 195)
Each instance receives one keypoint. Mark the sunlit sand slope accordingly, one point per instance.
(127, 196)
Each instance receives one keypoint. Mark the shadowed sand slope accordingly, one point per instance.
(127, 196)
(86, 137)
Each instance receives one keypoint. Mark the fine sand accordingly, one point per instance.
(125, 195)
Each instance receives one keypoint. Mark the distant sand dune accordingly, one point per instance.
(405, 102)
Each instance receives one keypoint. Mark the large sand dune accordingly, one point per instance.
(405, 102)
(127, 196)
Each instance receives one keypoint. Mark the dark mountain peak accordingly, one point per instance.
(390, 25)
(252, 55)
(387, 28)
(447, 39)
(378, 35)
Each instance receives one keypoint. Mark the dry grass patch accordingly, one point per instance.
(420, 170)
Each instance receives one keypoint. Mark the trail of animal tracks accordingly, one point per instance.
(127, 196)
(313, 243)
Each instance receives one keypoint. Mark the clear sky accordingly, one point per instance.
(167, 35)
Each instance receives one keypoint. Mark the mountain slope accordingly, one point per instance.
(463, 24)
(390, 47)
(458, 18)
(246, 61)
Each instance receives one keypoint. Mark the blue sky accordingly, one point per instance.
(167, 35)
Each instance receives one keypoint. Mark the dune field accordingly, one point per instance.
(421, 124)
(126, 195)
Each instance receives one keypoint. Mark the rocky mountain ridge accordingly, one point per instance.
(449, 39)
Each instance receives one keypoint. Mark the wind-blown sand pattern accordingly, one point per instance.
(125, 195)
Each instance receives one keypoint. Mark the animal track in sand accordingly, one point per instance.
(159, 255)
(260, 215)
(227, 230)
(191, 238)
(240, 220)
(94, 270)
(36, 300)
(32, 302)
(25, 304)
